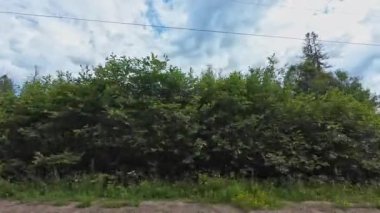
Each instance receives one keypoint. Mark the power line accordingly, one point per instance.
(251, 3)
(182, 28)
(257, 3)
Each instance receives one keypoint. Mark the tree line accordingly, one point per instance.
(147, 118)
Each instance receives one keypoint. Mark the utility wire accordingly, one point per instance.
(182, 28)
(257, 3)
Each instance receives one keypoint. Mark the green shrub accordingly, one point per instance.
(143, 118)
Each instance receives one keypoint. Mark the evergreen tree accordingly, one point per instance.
(313, 51)
(6, 84)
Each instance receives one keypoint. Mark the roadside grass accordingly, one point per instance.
(240, 193)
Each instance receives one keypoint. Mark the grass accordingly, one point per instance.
(240, 193)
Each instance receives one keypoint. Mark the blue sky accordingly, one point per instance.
(54, 45)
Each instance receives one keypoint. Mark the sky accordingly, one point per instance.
(58, 44)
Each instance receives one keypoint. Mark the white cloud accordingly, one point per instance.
(65, 44)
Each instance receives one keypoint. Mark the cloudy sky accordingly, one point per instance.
(57, 44)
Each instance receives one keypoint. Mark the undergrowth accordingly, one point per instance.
(240, 193)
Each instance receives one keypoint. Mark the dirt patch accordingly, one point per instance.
(319, 207)
(173, 207)
(144, 207)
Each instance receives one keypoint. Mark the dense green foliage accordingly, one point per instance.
(143, 117)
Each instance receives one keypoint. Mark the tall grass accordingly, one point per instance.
(240, 193)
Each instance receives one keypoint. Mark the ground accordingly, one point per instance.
(172, 207)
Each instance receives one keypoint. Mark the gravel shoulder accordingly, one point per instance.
(173, 207)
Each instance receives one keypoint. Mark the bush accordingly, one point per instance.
(143, 118)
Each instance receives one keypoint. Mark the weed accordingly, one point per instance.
(241, 193)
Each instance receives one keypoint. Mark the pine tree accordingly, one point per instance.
(313, 51)
(6, 84)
